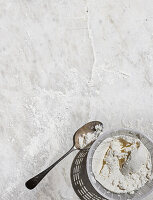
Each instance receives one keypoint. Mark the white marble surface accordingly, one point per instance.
(62, 64)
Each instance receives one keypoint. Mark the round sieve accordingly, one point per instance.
(139, 194)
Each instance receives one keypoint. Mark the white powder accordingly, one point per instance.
(86, 139)
(112, 154)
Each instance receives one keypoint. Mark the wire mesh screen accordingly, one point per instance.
(139, 194)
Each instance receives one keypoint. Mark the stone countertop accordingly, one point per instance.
(64, 63)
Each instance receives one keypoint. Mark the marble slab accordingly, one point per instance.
(62, 64)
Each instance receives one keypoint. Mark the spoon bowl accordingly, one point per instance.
(87, 128)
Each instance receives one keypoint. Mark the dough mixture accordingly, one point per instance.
(114, 153)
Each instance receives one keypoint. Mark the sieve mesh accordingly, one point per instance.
(142, 192)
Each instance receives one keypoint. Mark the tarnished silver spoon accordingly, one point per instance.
(87, 128)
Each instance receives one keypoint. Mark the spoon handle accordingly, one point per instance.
(32, 183)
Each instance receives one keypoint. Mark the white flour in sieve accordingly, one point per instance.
(86, 139)
(112, 154)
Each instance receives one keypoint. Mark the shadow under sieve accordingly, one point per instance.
(79, 178)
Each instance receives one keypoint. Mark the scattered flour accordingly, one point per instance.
(90, 137)
(114, 153)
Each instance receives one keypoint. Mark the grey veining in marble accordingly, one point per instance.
(63, 63)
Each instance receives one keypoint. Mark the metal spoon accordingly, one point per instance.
(89, 127)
